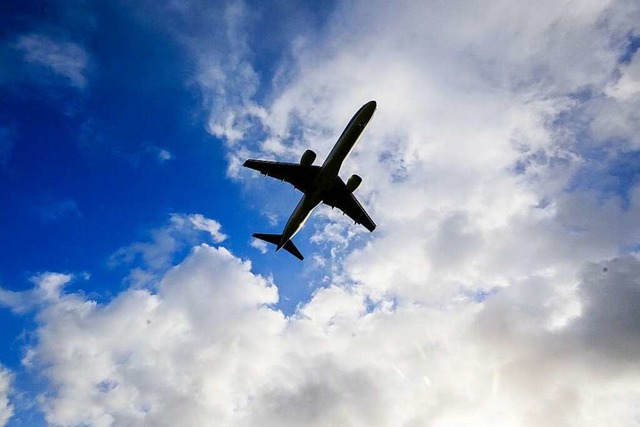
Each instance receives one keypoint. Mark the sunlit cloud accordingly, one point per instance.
(500, 287)
(207, 345)
(154, 256)
(64, 59)
(6, 409)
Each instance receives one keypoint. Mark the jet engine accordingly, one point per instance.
(307, 158)
(353, 183)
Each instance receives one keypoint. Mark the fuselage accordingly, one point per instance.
(328, 172)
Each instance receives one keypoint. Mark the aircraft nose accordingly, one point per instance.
(369, 108)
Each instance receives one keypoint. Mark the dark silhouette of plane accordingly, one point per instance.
(319, 184)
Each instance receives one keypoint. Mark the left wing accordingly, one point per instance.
(341, 198)
(301, 177)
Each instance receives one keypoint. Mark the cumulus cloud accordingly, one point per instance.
(208, 346)
(500, 287)
(200, 222)
(217, 36)
(189, 353)
(46, 286)
(259, 245)
(164, 155)
(480, 170)
(627, 85)
(484, 122)
(615, 114)
(6, 409)
(610, 325)
(154, 256)
(64, 59)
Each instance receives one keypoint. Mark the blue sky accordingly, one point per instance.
(91, 169)
(86, 170)
(501, 168)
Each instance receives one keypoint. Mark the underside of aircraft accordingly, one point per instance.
(319, 184)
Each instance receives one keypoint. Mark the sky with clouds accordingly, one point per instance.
(501, 287)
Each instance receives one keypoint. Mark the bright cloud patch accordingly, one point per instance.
(209, 225)
(164, 155)
(493, 168)
(181, 230)
(67, 60)
(500, 288)
(259, 245)
(6, 409)
(47, 287)
(206, 347)
(188, 354)
(153, 257)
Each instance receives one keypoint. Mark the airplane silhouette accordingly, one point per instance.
(319, 184)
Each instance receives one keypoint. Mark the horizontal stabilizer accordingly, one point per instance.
(275, 239)
(291, 248)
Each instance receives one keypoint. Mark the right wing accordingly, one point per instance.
(341, 198)
(301, 177)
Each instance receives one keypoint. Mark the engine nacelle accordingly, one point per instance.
(353, 183)
(307, 158)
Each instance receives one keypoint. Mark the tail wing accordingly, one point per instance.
(275, 239)
(291, 248)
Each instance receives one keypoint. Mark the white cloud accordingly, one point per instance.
(469, 155)
(47, 287)
(476, 167)
(615, 116)
(65, 59)
(161, 155)
(628, 85)
(207, 346)
(259, 245)
(205, 224)
(164, 155)
(13, 300)
(153, 257)
(216, 35)
(6, 409)
(482, 298)
(188, 354)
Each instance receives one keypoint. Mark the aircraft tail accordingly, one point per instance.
(275, 239)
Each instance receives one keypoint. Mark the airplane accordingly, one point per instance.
(319, 184)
